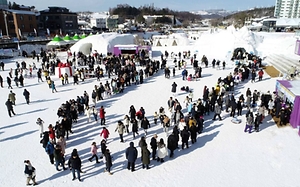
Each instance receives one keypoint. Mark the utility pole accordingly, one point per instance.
(5, 22)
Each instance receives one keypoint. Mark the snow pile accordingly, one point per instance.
(247, 39)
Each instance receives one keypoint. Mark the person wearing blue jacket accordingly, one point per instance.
(131, 156)
(50, 151)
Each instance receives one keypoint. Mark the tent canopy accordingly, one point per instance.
(56, 42)
(102, 43)
(69, 39)
(57, 39)
(76, 37)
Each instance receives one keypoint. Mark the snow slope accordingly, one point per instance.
(223, 156)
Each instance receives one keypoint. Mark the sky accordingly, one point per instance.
(192, 5)
(223, 156)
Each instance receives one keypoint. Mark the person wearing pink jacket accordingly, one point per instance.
(105, 133)
(94, 152)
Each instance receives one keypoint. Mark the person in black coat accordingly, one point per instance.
(8, 79)
(135, 127)
(131, 156)
(145, 124)
(108, 161)
(21, 80)
(172, 144)
(75, 164)
(26, 95)
(174, 86)
(185, 135)
(132, 112)
(45, 139)
(58, 156)
(10, 108)
(30, 173)
(1, 81)
(153, 145)
(67, 124)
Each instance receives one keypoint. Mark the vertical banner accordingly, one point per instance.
(20, 33)
(35, 32)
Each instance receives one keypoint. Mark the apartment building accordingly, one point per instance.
(17, 23)
(287, 9)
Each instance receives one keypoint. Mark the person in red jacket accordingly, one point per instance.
(102, 115)
(105, 133)
(260, 75)
(51, 133)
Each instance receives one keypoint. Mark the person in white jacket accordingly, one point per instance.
(162, 150)
(88, 113)
(271, 106)
(40, 123)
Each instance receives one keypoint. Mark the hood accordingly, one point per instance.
(131, 144)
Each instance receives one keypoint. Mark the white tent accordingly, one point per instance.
(176, 39)
(102, 43)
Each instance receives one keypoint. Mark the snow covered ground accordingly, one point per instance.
(223, 156)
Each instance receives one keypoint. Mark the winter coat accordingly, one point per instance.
(271, 105)
(131, 153)
(120, 128)
(57, 155)
(74, 162)
(51, 133)
(102, 113)
(135, 127)
(26, 94)
(145, 124)
(9, 105)
(108, 159)
(62, 144)
(153, 143)
(105, 133)
(145, 155)
(132, 112)
(250, 120)
(174, 86)
(103, 146)
(172, 142)
(29, 170)
(162, 151)
(185, 135)
(12, 97)
(49, 148)
(181, 125)
(67, 124)
(88, 112)
(94, 149)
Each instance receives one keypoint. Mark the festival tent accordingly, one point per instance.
(102, 43)
(76, 37)
(56, 42)
(290, 92)
(69, 39)
(176, 39)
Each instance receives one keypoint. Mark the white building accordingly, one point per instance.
(99, 20)
(287, 9)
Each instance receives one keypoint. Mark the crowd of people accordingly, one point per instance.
(184, 126)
